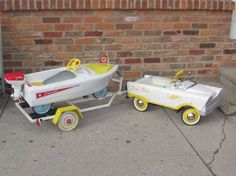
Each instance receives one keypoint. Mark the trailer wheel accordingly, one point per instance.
(68, 121)
(42, 109)
(191, 116)
(140, 104)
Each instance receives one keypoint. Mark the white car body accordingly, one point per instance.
(175, 95)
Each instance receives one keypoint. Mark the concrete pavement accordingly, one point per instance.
(119, 141)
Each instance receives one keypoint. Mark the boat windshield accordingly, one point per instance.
(61, 76)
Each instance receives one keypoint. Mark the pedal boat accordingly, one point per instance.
(61, 84)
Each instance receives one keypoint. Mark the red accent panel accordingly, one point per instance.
(14, 76)
(44, 94)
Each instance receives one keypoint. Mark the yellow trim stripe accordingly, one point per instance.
(130, 95)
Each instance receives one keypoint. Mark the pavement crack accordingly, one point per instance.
(191, 145)
(221, 143)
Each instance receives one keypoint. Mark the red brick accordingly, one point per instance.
(74, 34)
(85, 41)
(38, 5)
(131, 75)
(207, 45)
(30, 20)
(53, 63)
(83, 26)
(132, 61)
(53, 4)
(93, 48)
(2, 5)
(92, 19)
(181, 26)
(223, 58)
(177, 66)
(152, 60)
(51, 20)
(52, 34)
(143, 26)
(190, 32)
(199, 25)
(124, 54)
(31, 34)
(143, 53)
(204, 71)
(151, 32)
(7, 57)
(104, 26)
(64, 55)
(23, 42)
(42, 27)
(113, 47)
(133, 33)
(133, 47)
(195, 65)
(12, 64)
(64, 41)
(93, 33)
(73, 48)
(63, 27)
(33, 48)
(52, 48)
(10, 20)
(113, 33)
(43, 41)
(208, 32)
(196, 52)
(124, 26)
(229, 51)
(161, 26)
(171, 32)
(72, 20)
(87, 4)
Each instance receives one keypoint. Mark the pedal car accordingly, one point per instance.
(192, 99)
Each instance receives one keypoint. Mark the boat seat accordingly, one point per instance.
(99, 68)
(61, 76)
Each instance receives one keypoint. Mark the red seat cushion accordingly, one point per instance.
(14, 76)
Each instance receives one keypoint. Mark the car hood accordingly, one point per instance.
(206, 90)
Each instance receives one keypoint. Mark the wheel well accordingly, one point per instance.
(184, 108)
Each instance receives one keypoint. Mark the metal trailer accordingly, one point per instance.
(67, 116)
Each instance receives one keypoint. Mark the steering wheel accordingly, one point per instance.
(73, 65)
(178, 76)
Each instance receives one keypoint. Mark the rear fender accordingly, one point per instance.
(65, 109)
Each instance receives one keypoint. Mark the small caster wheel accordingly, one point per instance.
(140, 104)
(100, 94)
(68, 121)
(191, 116)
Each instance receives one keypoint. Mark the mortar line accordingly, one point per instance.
(190, 144)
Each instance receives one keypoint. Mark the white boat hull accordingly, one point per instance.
(61, 88)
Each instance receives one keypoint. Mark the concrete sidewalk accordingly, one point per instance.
(119, 141)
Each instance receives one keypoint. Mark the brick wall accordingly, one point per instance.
(143, 36)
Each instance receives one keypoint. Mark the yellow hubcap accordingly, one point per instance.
(191, 116)
(140, 105)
